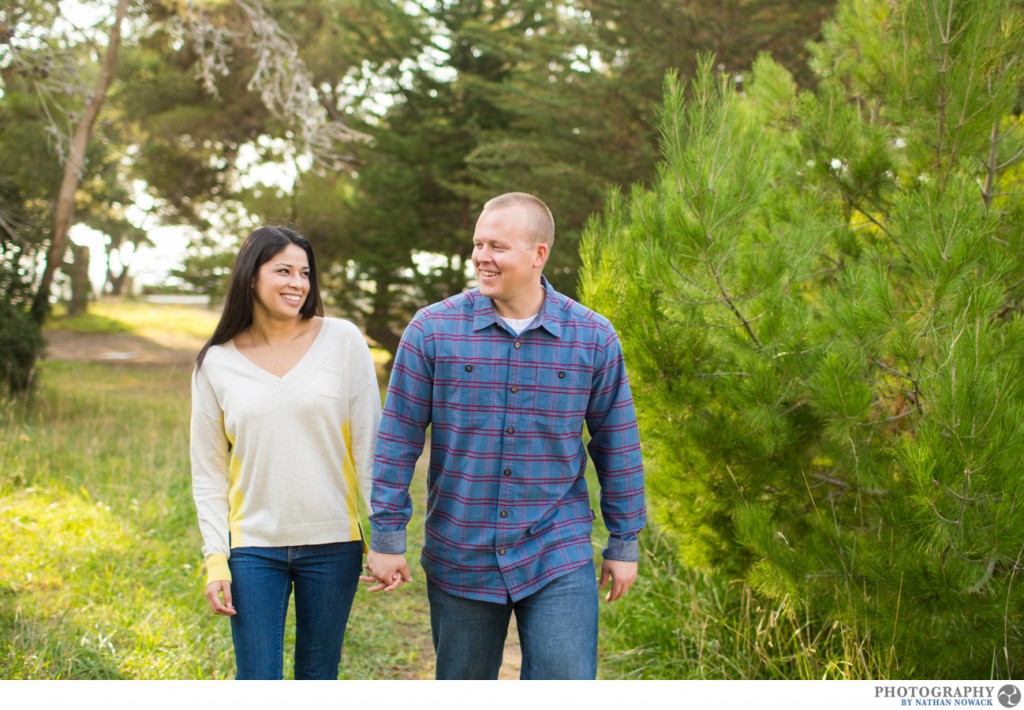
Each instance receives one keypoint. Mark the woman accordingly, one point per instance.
(285, 410)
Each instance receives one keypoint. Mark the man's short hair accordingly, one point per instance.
(541, 224)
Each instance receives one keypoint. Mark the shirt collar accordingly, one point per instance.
(484, 314)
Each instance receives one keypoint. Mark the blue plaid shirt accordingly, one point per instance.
(507, 502)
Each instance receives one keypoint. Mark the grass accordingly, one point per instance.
(683, 624)
(101, 574)
(99, 549)
(110, 315)
(97, 553)
(100, 569)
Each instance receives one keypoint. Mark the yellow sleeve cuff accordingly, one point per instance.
(217, 568)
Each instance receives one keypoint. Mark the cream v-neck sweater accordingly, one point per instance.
(283, 461)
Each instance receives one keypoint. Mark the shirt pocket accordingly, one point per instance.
(561, 400)
(469, 393)
(331, 382)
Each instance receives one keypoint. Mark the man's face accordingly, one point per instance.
(508, 261)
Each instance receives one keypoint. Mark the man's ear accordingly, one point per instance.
(541, 255)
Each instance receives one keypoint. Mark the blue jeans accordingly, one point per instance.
(557, 631)
(325, 579)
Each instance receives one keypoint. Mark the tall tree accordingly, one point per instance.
(820, 299)
(400, 231)
(239, 45)
(585, 85)
(74, 166)
(502, 95)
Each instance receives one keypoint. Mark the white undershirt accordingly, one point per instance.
(518, 325)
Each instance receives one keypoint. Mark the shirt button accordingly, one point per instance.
(507, 472)
(501, 552)
(504, 513)
(561, 375)
(511, 430)
(518, 345)
(514, 388)
(469, 368)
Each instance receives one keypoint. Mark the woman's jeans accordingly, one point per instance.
(557, 631)
(324, 578)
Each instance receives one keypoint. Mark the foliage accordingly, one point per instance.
(20, 339)
(21, 342)
(819, 298)
(550, 98)
(206, 266)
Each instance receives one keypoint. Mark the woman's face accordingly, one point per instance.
(282, 283)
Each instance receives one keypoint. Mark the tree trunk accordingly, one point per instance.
(379, 325)
(78, 272)
(117, 281)
(73, 169)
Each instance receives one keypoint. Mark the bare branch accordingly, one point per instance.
(279, 76)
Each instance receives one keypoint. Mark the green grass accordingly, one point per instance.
(681, 624)
(110, 315)
(100, 566)
(101, 573)
(97, 543)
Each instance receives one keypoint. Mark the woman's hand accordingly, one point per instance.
(219, 595)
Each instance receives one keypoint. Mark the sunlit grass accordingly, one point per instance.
(116, 315)
(100, 564)
(99, 568)
(101, 572)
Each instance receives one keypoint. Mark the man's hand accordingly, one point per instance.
(622, 574)
(387, 572)
(219, 595)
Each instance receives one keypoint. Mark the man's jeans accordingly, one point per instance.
(325, 579)
(557, 631)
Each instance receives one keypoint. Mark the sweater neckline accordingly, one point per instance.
(298, 364)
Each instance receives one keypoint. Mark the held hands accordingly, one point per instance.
(622, 575)
(387, 572)
(219, 595)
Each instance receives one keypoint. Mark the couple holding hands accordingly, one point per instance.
(288, 434)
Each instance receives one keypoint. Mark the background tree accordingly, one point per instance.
(54, 64)
(819, 298)
(494, 96)
(74, 164)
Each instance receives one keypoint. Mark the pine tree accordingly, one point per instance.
(820, 299)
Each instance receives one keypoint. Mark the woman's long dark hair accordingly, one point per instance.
(257, 249)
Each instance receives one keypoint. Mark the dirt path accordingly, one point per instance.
(120, 347)
(513, 660)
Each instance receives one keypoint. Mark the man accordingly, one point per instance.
(506, 375)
